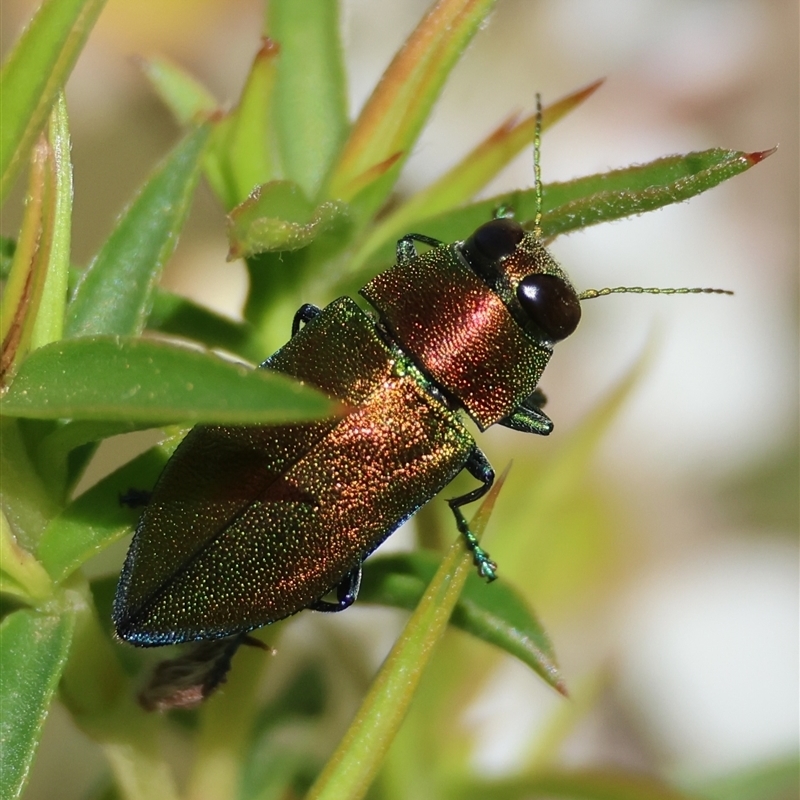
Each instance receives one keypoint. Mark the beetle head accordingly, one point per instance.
(516, 265)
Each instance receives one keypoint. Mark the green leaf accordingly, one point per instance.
(23, 290)
(310, 93)
(35, 70)
(49, 324)
(179, 316)
(624, 192)
(33, 651)
(587, 201)
(97, 518)
(278, 217)
(356, 761)
(471, 174)
(115, 293)
(245, 152)
(393, 117)
(574, 785)
(36, 292)
(240, 154)
(188, 100)
(147, 381)
(498, 614)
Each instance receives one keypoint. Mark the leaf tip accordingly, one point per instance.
(760, 155)
(269, 49)
(235, 251)
(588, 91)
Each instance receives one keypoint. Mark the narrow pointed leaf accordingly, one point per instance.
(496, 614)
(247, 152)
(33, 651)
(310, 95)
(115, 293)
(49, 324)
(394, 115)
(471, 174)
(186, 98)
(97, 518)
(35, 70)
(624, 192)
(147, 381)
(588, 201)
(278, 217)
(357, 759)
(23, 291)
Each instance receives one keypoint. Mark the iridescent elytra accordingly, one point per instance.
(248, 525)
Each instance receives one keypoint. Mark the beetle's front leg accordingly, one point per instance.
(346, 593)
(479, 467)
(529, 417)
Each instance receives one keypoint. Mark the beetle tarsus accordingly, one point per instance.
(479, 467)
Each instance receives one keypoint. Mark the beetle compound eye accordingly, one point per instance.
(551, 304)
(495, 239)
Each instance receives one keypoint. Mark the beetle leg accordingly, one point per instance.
(405, 246)
(529, 417)
(134, 498)
(479, 467)
(304, 314)
(346, 593)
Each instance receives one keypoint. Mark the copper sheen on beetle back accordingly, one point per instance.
(248, 525)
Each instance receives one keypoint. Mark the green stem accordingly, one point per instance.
(356, 762)
(101, 700)
(227, 720)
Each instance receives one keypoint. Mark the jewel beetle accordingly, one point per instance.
(248, 525)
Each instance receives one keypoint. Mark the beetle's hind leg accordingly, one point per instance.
(346, 593)
(135, 498)
(405, 246)
(479, 467)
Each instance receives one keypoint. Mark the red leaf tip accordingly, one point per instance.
(760, 155)
(269, 48)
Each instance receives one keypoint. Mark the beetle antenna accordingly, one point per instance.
(537, 168)
(589, 294)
